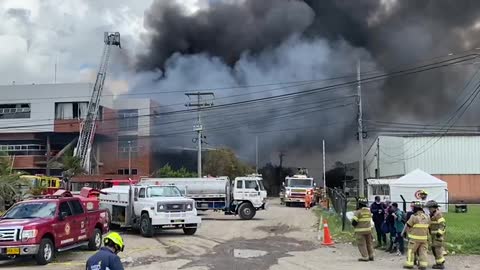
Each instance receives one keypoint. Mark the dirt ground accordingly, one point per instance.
(279, 238)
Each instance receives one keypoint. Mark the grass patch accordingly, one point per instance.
(463, 232)
(335, 225)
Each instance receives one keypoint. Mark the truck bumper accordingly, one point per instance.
(11, 251)
(299, 200)
(176, 222)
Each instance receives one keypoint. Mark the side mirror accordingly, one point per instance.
(62, 216)
(314, 184)
(256, 188)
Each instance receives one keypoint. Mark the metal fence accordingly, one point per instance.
(339, 202)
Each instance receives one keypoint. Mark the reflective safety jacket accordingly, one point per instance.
(437, 225)
(363, 218)
(418, 226)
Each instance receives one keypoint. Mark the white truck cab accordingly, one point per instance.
(250, 188)
(150, 207)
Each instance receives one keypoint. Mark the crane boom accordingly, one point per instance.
(88, 125)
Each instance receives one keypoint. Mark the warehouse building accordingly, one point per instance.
(453, 158)
(39, 122)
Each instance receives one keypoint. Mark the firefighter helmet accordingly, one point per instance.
(432, 204)
(362, 201)
(116, 239)
(417, 205)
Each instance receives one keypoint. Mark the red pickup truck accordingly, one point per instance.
(42, 227)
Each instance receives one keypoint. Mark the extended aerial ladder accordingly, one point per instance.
(88, 125)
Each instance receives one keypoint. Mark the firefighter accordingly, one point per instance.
(361, 221)
(106, 257)
(417, 229)
(308, 199)
(437, 232)
(423, 194)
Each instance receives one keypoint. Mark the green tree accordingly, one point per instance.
(223, 162)
(71, 165)
(168, 171)
(10, 182)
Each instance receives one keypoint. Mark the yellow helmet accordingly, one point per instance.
(116, 239)
(363, 201)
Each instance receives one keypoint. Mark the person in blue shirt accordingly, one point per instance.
(106, 258)
(378, 212)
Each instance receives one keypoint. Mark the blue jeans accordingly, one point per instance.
(400, 242)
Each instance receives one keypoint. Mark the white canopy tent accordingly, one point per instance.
(409, 185)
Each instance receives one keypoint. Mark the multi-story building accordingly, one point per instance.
(453, 158)
(38, 123)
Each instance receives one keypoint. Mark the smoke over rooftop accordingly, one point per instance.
(251, 42)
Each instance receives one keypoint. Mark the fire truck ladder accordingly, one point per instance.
(88, 125)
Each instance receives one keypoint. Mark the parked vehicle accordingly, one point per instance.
(55, 223)
(48, 184)
(296, 187)
(244, 196)
(148, 207)
(77, 184)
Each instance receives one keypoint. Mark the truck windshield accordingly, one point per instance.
(164, 192)
(260, 183)
(31, 210)
(299, 183)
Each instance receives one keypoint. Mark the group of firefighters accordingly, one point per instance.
(418, 228)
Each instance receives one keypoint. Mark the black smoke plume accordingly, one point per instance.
(253, 41)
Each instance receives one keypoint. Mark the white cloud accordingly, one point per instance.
(36, 33)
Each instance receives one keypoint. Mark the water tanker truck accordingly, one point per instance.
(243, 196)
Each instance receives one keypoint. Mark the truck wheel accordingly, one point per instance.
(189, 231)
(146, 228)
(95, 241)
(287, 204)
(246, 211)
(46, 252)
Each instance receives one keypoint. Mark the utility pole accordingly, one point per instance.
(256, 154)
(129, 158)
(199, 103)
(324, 169)
(361, 188)
(378, 158)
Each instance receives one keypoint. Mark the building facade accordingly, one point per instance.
(453, 158)
(40, 123)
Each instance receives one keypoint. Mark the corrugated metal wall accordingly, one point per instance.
(434, 155)
(443, 155)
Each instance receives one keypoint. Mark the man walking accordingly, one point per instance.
(437, 232)
(378, 211)
(399, 218)
(363, 230)
(417, 229)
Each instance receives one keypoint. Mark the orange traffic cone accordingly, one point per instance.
(327, 239)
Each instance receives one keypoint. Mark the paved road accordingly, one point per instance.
(277, 239)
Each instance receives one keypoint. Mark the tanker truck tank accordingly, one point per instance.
(195, 187)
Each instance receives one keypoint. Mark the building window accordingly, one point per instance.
(14, 111)
(125, 172)
(127, 146)
(128, 120)
(73, 110)
(23, 149)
